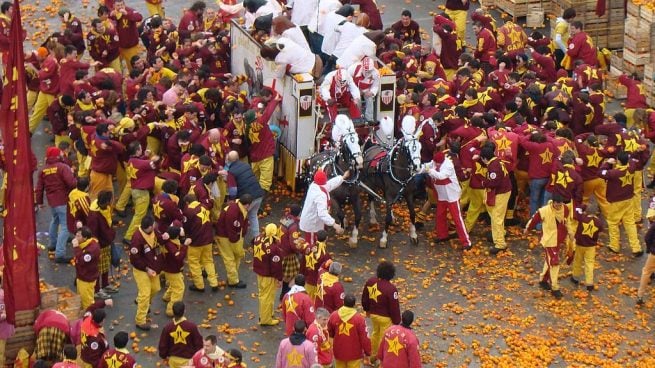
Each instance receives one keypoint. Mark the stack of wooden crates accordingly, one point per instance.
(606, 31)
(523, 8)
(639, 45)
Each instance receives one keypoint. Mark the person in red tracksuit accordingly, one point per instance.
(580, 47)
(339, 89)
(486, 48)
(296, 305)
(380, 302)
(399, 347)
(347, 328)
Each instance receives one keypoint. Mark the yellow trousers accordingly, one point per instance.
(127, 54)
(177, 362)
(174, 290)
(266, 288)
(31, 98)
(584, 259)
(116, 65)
(200, 258)
(124, 197)
(153, 144)
(99, 182)
(649, 268)
(121, 179)
(622, 212)
(86, 290)
(263, 170)
(476, 207)
(636, 199)
(147, 287)
(459, 17)
(232, 253)
(155, 9)
(597, 187)
(630, 120)
(141, 200)
(380, 324)
(43, 101)
(465, 198)
(349, 364)
(497, 215)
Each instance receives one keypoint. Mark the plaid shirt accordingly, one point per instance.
(50, 344)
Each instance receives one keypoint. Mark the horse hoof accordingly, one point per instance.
(352, 243)
(414, 241)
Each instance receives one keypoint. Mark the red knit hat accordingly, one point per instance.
(52, 152)
(439, 157)
(320, 178)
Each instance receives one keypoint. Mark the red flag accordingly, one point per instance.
(21, 274)
(601, 6)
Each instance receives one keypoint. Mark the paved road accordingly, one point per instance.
(472, 309)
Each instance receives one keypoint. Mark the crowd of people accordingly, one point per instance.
(152, 117)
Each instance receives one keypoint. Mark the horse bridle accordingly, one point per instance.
(354, 138)
(396, 149)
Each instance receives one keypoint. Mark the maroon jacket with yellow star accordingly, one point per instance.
(312, 262)
(540, 158)
(232, 222)
(588, 230)
(381, 297)
(166, 210)
(116, 358)
(566, 182)
(141, 172)
(266, 260)
(295, 307)
(179, 339)
(619, 178)
(173, 254)
(198, 224)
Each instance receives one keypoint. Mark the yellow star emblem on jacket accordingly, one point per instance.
(310, 261)
(563, 178)
(157, 209)
(345, 327)
(179, 335)
(113, 362)
(203, 214)
(589, 229)
(258, 252)
(631, 145)
(503, 144)
(395, 346)
(374, 292)
(294, 358)
(480, 169)
(131, 171)
(254, 137)
(291, 304)
(627, 178)
(594, 159)
(546, 156)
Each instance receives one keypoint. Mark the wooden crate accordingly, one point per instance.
(516, 8)
(24, 337)
(69, 303)
(630, 68)
(616, 89)
(638, 45)
(633, 9)
(635, 57)
(535, 17)
(26, 317)
(647, 14)
(616, 60)
(649, 72)
(49, 296)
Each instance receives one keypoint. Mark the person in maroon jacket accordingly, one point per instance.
(619, 173)
(58, 112)
(78, 205)
(73, 30)
(406, 30)
(56, 180)
(191, 22)
(262, 142)
(87, 260)
(199, 255)
(174, 251)
(540, 163)
(486, 47)
(118, 356)
(69, 65)
(380, 302)
(48, 86)
(330, 292)
(580, 47)
(103, 45)
(231, 228)
(146, 265)
(100, 223)
(104, 153)
(267, 264)
(369, 7)
(93, 340)
(165, 205)
(290, 246)
(127, 20)
(347, 328)
(315, 259)
(297, 305)
(451, 47)
(498, 188)
(180, 339)
(141, 172)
